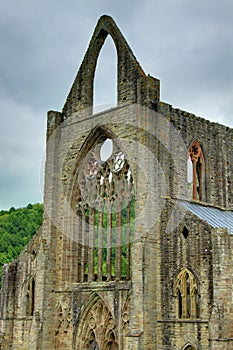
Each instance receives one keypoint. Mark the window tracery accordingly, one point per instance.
(105, 207)
(97, 328)
(125, 321)
(186, 295)
(125, 316)
(198, 171)
(63, 317)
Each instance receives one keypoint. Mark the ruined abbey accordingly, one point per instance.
(133, 253)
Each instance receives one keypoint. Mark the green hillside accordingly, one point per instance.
(17, 226)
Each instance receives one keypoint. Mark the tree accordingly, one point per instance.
(17, 227)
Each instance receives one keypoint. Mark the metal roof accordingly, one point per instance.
(217, 218)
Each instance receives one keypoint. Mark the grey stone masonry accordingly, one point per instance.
(121, 260)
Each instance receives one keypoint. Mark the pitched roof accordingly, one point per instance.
(215, 217)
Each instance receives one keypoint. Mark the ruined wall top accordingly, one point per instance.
(130, 73)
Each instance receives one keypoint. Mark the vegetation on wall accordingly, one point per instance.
(17, 226)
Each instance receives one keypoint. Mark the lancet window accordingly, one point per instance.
(105, 209)
(196, 166)
(186, 295)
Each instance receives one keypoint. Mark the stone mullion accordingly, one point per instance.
(128, 257)
(193, 301)
(91, 245)
(79, 249)
(74, 251)
(79, 272)
(202, 180)
(184, 297)
(82, 235)
(109, 243)
(78, 237)
(118, 241)
(100, 243)
(86, 240)
(84, 255)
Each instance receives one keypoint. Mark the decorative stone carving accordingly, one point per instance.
(186, 293)
(105, 208)
(97, 328)
(63, 317)
(125, 317)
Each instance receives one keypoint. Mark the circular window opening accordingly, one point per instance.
(106, 150)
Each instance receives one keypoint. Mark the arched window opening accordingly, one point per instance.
(189, 347)
(96, 328)
(197, 174)
(105, 80)
(185, 232)
(186, 292)
(30, 297)
(105, 209)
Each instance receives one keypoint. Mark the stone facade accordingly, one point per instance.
(130, 256)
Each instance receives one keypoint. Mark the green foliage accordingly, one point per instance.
(125, 227)
(17, 227)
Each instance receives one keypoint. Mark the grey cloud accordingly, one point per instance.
(186, 44)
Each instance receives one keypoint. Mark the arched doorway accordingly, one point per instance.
(96, 327)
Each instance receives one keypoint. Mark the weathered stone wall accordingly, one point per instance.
(21, 309)
(216, 141)
(133, 85)
(142, 312)
(221, 312)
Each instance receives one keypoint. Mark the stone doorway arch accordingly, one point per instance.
(96, 326)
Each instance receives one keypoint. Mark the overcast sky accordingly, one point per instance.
(186, 44)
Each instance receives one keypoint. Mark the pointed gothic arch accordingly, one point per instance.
(185, 290)
(101, 193)
(195, 154)
(105, 78)
(188, 347)
(81, 94)
(96, 327)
